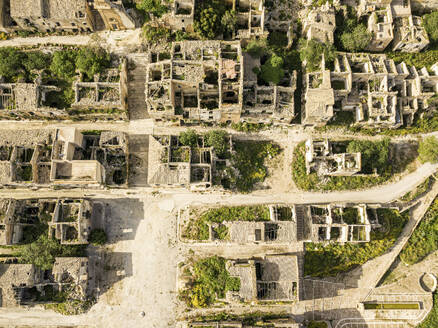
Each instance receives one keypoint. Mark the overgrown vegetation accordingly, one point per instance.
(311, 52)
(375, 159)
(209, 280)
(420, 190)
(431, 320)
(197, 228)
(328, 260)
(430, 23)
(428, 150)
(249, 158)
(424, 239)
(356, 39)
(98, 237)
(417, 59)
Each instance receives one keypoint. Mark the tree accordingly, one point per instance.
(98, 237)
(428, 150)
(188, 138)
(154, 7)
(36, 60)
(272, 70)
(208, 25)
(229, 21)
(218, 140)
(311, 51)
(41, 252)
(10, 62)
(91, 61)
(430, 22)
(357, 39)
(63, 64)
(374, 154)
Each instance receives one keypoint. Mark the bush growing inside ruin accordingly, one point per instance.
(154, 7)
(229, 21)
(208, 18)
(10, 62)
(256, 48)
(311, 51)
(90, 61)
(98, 237)
(428, 150)
(44, 250)
(357, 39)
(210, 280)
(272, 70)
(430, 23)
(63, 64)
(188, 138)
(218, 140)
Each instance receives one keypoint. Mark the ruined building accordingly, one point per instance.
(89, 159)
(71, 158)
(320, 24)
(212, 81)
(71, 221)
(64, 15)
(393, 21)
(271, 278)
(376, 90)
(328, 158)
(338, 223)
(173, 164)
(19, 98)
(108, 91)
(26, 284)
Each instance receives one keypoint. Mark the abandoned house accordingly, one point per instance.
(74, 273)
(71, 221)
(197, 81)
(320, 24)
(89, 159)
(20, 215)
(271, 278)
(328, 158)
(181, 15)
(212, 81)
(107, 91)
(393, 21)
(63, 15)
(409, 34)
(281, 228)
(173, 164)
(273, 323)
(267, 103)
(16, 98)
(25, 284)
(372, 87)
(338, 223)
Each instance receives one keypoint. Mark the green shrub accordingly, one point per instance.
(311, 51)
(272, 70)
(64, 64)
(357, 39)
(321, 260)
(428, 150)
(424, 239)
(154, 7)
(256, 48)
(431, 320)
(98, 237)
(209, 24)
(188, 138)
(10, 62)
(417, 59)
(218, 139)
(90, 61)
